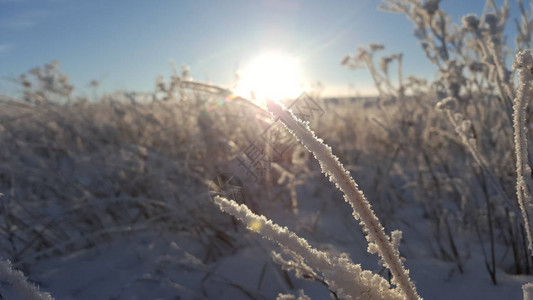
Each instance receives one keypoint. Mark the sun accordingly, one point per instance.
(273, 76)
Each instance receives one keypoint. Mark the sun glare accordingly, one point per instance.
(270, 76)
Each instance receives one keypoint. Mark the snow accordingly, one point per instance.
(161, 265)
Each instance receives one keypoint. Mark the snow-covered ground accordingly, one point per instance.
(162, 265)
(109, 200)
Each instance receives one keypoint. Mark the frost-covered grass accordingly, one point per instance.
(80, 178)
(20, 284)
(108, 198)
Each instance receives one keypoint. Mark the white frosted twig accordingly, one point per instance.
(348, 280)
(362, 210)
(528, 291)
(301, 296)
(462, 128)
(523, 64)
(20, 283)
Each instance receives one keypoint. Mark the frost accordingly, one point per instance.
(524, 65)
(449, 103)
(528, 291)
(20, 283)
(372, 248)
(338, 175)
(341, 275)
(301, 296)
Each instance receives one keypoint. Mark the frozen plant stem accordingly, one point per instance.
(348, 280)
(376, 237)
(528, 291)
(20, 283)
(524, 66)
(462, 127)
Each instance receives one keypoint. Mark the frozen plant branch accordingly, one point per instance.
(348, 280)
(378, 241)
(528, 291)
(20, 283)
(523, 64)
(462, 127)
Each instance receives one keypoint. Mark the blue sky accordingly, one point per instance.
(127, 44)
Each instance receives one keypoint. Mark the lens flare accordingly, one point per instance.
(255, 226)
